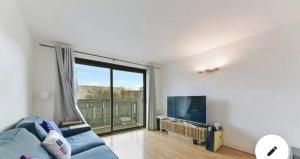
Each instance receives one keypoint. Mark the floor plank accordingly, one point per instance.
(143, 144)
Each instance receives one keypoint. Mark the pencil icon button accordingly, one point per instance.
(272, 151)
(272, 147)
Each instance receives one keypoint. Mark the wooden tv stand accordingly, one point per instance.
(185, 129)
(213, 140)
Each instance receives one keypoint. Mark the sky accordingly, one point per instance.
(98, 76)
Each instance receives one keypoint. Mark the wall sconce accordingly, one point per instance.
(210, 70)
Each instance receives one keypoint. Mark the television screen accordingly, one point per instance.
(190, 108)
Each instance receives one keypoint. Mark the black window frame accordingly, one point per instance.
(112, 67)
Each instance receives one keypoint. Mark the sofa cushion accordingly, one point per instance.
(74, 130)
(50, 125)
(103, 152)
(32, 124)
(16, 142)
(84, 141)
(30, 119)
(26, 157)
(57, 145)
(37, 130)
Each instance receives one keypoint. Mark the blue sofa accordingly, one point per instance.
(27, 135)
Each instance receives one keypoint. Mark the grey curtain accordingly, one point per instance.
(66, 108)
(151, 99)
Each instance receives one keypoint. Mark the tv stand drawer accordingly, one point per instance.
(166, 125)
(179, 128)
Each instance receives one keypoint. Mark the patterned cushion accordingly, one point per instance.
(50, 125)
(57, 145)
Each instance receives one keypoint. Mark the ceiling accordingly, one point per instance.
(154, 30)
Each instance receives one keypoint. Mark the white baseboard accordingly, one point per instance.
(247, 150)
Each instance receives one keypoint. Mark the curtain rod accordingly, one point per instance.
(114, 59)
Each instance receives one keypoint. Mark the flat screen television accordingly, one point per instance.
(189, 108)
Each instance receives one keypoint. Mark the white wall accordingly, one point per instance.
(44, 80)
(254, 94)
(45, 77)
(15, 52)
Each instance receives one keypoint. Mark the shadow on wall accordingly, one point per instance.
(218, 110)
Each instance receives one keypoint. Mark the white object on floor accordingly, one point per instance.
(125, 119)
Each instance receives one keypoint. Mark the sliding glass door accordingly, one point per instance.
(111, 97)
(94, 96)
(128, 99)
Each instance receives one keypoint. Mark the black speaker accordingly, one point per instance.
(210, 141)
(158, 123)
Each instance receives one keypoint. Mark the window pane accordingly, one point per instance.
(93, 96)
(128, 96)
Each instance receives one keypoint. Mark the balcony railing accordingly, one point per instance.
(126, 113)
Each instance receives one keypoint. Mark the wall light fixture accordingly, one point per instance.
(210, 70)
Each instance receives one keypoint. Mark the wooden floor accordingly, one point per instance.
(143, 144)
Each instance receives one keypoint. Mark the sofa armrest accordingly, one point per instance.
(73, 130)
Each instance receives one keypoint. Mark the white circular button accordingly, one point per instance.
(272, 147)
